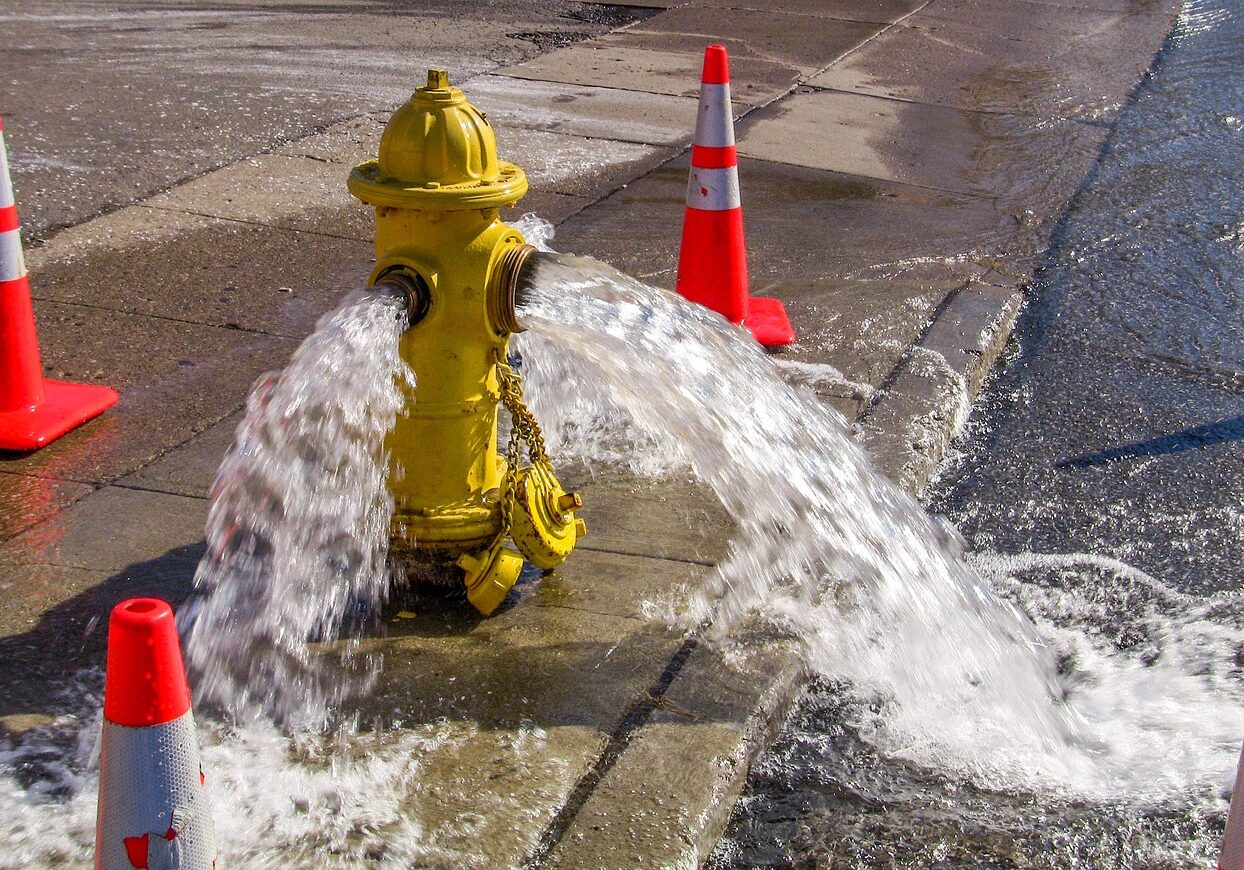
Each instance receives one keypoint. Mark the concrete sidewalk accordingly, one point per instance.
(903, 164)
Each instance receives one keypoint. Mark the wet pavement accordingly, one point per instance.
(226, 230)
(107, 104)
(1123, 408)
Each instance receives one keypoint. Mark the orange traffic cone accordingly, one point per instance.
(712, 265)
(1232, 857)
(33, 411)
(153, 811)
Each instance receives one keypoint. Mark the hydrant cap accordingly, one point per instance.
(438, 152)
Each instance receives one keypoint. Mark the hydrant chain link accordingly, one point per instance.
(525, 426)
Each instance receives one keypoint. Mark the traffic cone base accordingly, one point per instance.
(767, 321)
(33, 411)
(65, 406)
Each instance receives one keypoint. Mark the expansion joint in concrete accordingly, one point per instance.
(234, 220)
(897, 22)
(797, 14)
(232, 327)
(617, 551)
(156, 489)
(576, 608)
(96, 485)
(535, 78)
(632, 721)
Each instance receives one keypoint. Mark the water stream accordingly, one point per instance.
(944, 670)
(298, 533)
(826, 547)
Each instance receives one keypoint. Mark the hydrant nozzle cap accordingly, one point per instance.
(438, 153)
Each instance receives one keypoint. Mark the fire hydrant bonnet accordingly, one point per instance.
(438, 152)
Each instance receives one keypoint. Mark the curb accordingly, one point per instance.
(926, 402)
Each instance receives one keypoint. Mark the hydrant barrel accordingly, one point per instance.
(446, 471)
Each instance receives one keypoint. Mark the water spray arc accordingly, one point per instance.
(437, 188)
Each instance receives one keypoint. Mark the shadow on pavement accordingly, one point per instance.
(71, 637)
(529, 662)
(1206, 435)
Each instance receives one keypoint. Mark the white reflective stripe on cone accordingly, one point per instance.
(12, 263)
(6, 183)
(713, 189)
(1232, 857)
(149, 787)
(714, 127)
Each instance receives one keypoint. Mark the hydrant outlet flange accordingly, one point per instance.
(413, 289)
(504, 291)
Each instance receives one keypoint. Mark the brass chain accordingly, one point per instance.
(524, 430)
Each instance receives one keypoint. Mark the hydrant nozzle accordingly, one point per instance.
(414, 292)
(437, 187)
(507, 282)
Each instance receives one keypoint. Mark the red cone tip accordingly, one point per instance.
(716, 66)
(146, 681)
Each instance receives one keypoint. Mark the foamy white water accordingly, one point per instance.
(342, 799)
(957, 676)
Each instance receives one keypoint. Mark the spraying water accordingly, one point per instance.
(298, 531)
(297, 538)
(955, 675)
(825, 546)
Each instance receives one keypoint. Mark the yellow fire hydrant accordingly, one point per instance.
(438, 188)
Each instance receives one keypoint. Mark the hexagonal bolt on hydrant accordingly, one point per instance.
(438, 188)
